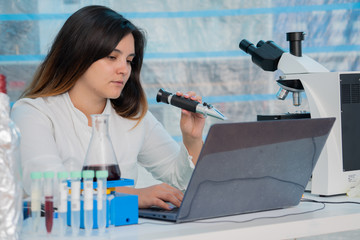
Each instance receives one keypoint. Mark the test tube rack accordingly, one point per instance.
(122, 209)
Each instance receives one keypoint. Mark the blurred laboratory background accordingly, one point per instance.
(194, 45)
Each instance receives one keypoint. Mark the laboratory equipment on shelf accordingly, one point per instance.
(100, 153)
(329, 94)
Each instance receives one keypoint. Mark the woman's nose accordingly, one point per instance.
(122, 67)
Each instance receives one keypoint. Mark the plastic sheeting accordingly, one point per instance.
(10, 180)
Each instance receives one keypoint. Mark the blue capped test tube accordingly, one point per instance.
(88, 181)
(75, 201)
(36, 194)
(62, 204)
(101, 177)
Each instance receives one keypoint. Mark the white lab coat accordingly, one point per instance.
(55, 137)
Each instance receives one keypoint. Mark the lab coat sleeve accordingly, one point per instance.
(38, 149)
(164, 158)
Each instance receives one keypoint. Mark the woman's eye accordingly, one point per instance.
(111, 57)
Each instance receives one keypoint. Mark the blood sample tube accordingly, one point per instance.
(62, 204)
(88, 180)
(101, 177)
(75, 201)
(49, 200)
(36, 199)
(3, 84)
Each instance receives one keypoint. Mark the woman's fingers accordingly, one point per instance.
(158, 195)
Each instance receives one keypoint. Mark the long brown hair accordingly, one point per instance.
(88, 35)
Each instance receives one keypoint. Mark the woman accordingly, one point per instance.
(93, 67)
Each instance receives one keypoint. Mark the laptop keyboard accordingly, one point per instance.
(158, 209)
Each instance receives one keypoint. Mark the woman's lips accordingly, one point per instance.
(118, 82)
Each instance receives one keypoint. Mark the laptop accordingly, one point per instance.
(250, 167)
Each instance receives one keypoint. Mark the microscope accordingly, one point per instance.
(329, 94)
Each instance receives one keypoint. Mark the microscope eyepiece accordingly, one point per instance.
(260, 43)
(266, 54)
(295, 36)
(245, 45)
(295, 39)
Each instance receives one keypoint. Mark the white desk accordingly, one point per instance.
(333, 218)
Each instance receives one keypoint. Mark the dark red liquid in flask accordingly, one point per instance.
(49, 213)
(100, 154)
(113, 170)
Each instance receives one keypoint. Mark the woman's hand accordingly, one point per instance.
(192, 126)
(156, 195)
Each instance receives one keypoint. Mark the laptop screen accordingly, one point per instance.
(255, 166)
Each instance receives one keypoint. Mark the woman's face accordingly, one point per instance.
(107, 77)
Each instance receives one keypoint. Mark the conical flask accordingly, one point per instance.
(100, 153)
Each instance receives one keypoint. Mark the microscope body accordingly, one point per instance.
(329, 94)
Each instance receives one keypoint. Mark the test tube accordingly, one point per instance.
(49, 200)
(35, 199)
(75, 201)
(88, 179)
(101, 177)
(62, 207)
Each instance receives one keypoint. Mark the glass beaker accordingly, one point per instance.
(100, 154)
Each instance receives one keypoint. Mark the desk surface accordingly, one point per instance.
(306, 219)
